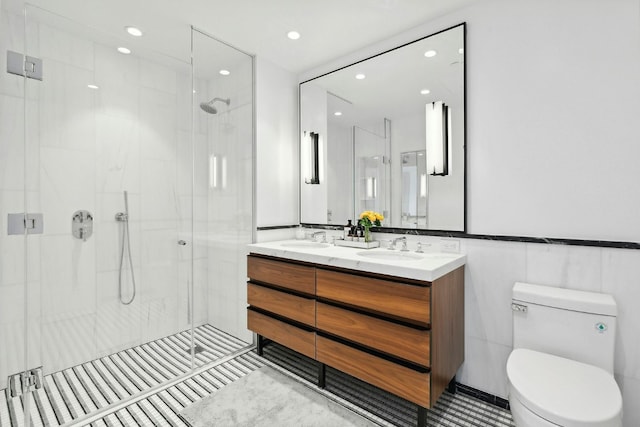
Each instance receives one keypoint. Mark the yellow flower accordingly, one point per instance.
(371, 218)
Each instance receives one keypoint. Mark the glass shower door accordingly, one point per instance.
(223, 192)
(107, 282)
(17, 288)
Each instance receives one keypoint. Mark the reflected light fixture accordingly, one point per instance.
(430, 53)
(217, 171)
(293, 35)
(213, 171)
(337, 113)
(310, 156)
(224, 72)
(360, 76)
(134, 31)
(124, 50)
(92, 86)
(437, 118)
(372, 188)
(425, 92)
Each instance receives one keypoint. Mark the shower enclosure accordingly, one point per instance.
(126, 210)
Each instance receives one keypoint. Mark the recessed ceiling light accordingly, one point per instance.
(360, 76)
(425, 92)
(337, 113)
(93, 87)
(136, 32)
(430, 53)
(225, 72)
(461, 50)
(293, 35)
(124, 50)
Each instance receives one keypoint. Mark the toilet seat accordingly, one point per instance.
(563, 391)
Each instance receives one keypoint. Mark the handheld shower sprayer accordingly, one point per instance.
(123, 217)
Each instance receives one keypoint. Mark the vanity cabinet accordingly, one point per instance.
(403, 335)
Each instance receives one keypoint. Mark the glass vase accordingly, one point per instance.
(367, 234)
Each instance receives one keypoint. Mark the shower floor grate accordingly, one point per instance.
(83, 389)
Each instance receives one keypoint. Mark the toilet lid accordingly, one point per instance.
(564, 391)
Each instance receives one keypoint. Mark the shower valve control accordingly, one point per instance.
(82, 225)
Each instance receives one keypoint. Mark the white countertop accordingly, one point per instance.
(427, 266)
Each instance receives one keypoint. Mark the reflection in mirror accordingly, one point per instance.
(368, 123)
(414, 189)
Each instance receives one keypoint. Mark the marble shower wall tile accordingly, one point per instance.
(621, 278)
(573, 267)
(484, 366)
(492, 269)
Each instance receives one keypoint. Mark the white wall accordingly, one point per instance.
(553, 94)
(277, 145)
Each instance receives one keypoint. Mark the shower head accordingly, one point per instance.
(209, 108)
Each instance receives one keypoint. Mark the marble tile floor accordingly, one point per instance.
(162, 408)
(385, 409)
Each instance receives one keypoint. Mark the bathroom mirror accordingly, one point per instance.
(370, 114)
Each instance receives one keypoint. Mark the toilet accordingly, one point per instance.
(561, 369)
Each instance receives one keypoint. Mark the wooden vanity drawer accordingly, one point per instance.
(296, 277)
(397, 379)
(404, 301)
(298, 339)
(401, 341)
(290, 306)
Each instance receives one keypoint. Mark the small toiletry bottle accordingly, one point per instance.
(347, 229)
(352, 233)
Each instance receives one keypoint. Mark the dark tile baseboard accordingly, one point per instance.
(481, 395)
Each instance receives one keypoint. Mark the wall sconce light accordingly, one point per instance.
(213, 171)
(311, 159)
(423, 185)
(438, 138)
(372, 188)
(217, 171)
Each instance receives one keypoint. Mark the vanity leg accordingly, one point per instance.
(259, 345)
(322, 375)
(422, 416)
(451, 388)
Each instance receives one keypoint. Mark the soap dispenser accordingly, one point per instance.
(347, 230)
(300, 233)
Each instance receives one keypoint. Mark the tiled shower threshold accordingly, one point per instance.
(162, 408)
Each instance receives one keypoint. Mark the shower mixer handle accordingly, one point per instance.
(122, 217)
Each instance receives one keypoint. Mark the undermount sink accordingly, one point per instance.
(390, 256)
(305, 245)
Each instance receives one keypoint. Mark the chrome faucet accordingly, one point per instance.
(392, 243)
(319, 233)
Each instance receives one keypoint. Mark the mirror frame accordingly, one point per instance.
(401, 230)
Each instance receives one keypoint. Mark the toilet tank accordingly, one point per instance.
(573, 324)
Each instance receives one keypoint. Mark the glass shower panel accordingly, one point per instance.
(108, 282)
(223, 189)
(371, 170)
(16, 316)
